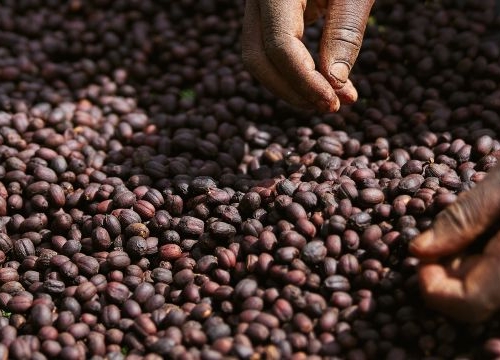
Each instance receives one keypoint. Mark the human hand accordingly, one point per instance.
(274, 53)
(465, 286)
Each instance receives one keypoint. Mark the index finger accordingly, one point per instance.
(467, 293)
(258, 64)
(462, 222)
(283, 28)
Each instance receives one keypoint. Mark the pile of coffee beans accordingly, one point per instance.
(157, 202)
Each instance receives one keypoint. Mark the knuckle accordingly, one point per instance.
(350, 36)
(275, 45)
(453, 218)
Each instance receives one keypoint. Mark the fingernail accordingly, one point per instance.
(339, 71)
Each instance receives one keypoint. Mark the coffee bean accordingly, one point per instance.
(19, 303)
(282, 310)
(336, 283)
(191, 226)
(314, 252)
(371, 196)
(411, 183)
(117, 292)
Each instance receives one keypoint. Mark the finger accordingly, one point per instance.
(347, 94)
(345, 24)
(493, 245)
(256, 62)
(481, 291)
(440, 291)
(282, 29)
(462, 222)
(466, 292)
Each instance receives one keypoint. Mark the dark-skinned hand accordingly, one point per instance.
(274, 53)
(455, 281)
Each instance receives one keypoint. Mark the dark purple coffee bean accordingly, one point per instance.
(221, 230)
(41, 315)
(314, 252)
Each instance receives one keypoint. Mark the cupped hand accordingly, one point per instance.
(455, 281)
(274, 53)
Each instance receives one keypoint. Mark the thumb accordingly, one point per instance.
(462, 222)
(345, 24)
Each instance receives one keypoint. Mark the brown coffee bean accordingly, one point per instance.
(225, 257)
(144, 325)
(23, 247)
(96, 343)
(306, 228)
(283, 310)
(329, 145)
(8, 274)
(341, 299)
(287, 254)
(51, 348)
(124, 199)
(201, 311)
(295, 277)
(302, 323)
(87, 265)
(19, 349)
(118, 259)
(292, 238)
(85, 291)
(336, 283)
(79, 330)
(411, 183)
(41, 315)
(257, 332)
(117, 292)
(143, 292)
(245, 288)
(19, 303)
(144, 208)
(221, 230)
(295, 211)
(314, 252)
(348, 265)
(101, 238)
(136, 229)
(165, 276)
(371, 196)
(170, 252)
(136, 246)
(191, 226)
